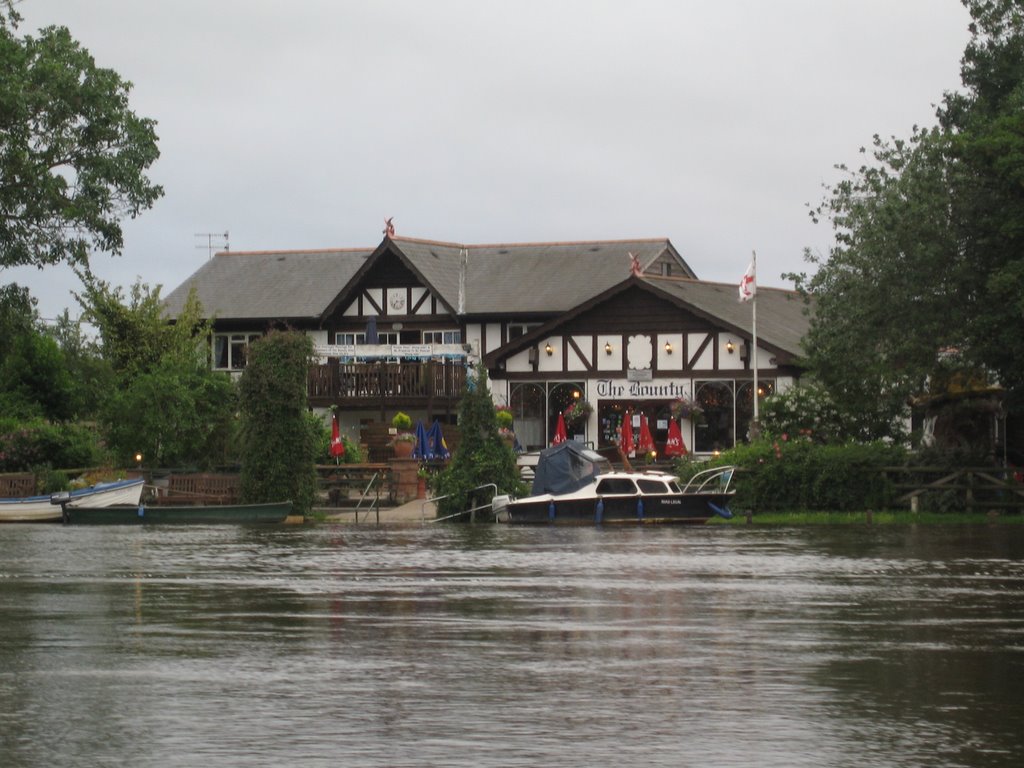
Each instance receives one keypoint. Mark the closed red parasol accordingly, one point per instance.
(626, 440)
(674, 445)
(560, 433)
(337, 447)
(646, 443)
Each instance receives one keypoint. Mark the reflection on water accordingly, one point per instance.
(221, 646)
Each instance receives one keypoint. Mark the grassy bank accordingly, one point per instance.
(889, 517)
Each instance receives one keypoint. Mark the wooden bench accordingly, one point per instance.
(201, 488)
(17, 485)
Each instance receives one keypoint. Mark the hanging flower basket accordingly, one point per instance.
(578, 413)
(685, 408)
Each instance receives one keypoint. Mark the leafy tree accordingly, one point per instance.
(135, 335)
(34, 377)
(93, 376)
(985, 122)
(173, 416)
(928, 257)
(34, 381)
(167, 403)
(18, 315)
(72, 153)
(279, 442)
(482, 457)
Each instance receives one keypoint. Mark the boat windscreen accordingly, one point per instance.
(653, 486)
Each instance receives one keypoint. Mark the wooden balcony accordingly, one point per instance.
(432, 384)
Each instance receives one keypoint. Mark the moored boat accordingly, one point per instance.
(161, 514)
(47, 508)
(576, 486)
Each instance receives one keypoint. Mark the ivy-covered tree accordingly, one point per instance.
(73, 155)
(929, 253)
(279, 444)
(482, 457)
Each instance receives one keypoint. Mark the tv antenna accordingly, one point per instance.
(214, 241)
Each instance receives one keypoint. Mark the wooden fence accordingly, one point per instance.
(970, 488)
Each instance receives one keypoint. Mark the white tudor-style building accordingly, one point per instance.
(625, 325)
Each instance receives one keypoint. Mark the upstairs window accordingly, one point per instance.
(350, 339)
(229, 350)
(442, 337)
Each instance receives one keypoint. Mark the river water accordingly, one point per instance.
(469, 646)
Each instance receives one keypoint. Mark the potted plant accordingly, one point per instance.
(503, 416)
(401, 421)
(403, 443)
(421, 482)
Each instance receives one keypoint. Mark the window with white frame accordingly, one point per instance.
(442, 337)
(350, 339)
(229, 350)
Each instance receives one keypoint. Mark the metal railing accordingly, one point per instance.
(462, 513)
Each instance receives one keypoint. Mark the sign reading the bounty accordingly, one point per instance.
(617, 389)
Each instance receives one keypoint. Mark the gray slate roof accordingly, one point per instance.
(278, 284)
(782, 320)
(510, 278)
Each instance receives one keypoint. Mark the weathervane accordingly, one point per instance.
(634, 265)
(389, 228)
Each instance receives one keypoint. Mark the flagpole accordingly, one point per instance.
(755, 428)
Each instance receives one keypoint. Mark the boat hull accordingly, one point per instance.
(186, 515)
(675, 509)
(42, 509)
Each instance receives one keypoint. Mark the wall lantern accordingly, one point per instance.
(607, 347)
(730, 347)
(549, 350)
(668, 348)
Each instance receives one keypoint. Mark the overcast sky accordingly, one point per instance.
(304, 124)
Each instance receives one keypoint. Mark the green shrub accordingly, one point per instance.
(788, 474)
(37, 444)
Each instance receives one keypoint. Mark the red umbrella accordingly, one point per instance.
(560, 434)
(626, 440)
(675, 446)
(646, 443)
(337, 447)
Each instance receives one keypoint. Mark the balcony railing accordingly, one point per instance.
(427, 383)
